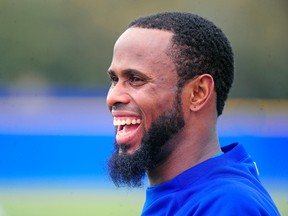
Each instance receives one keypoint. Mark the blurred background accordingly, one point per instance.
(55, 131)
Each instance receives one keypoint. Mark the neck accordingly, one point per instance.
(186, 154)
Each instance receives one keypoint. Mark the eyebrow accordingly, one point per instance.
(126, 72)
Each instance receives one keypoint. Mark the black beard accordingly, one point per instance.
(126, 169)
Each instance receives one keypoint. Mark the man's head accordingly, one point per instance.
(152, 63)
(198, 47)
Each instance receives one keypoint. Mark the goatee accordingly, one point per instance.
(129, 169)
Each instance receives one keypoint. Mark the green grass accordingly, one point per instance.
(71, 202)
(75, 202)
(281, 201)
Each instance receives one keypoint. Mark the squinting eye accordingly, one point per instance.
(113, 79)
(135, 79)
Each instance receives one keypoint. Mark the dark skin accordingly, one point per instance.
(144, 82)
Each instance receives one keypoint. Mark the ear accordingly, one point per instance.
(201, 89)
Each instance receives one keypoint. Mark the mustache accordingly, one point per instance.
(125, 107)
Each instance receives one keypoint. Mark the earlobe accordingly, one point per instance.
(200, 91)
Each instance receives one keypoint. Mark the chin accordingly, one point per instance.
(128, 149)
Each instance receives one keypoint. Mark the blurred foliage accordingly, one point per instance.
(48, 43)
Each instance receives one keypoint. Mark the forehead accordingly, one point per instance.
(138, 47)
(144, 38)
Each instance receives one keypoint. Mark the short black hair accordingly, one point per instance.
(198, 47)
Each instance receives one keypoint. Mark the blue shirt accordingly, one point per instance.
(224, 185)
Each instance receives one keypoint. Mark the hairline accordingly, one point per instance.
(171, 51)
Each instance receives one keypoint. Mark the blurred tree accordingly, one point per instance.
(70, 42)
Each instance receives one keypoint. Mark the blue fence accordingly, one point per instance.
(46, 156)
(70, 138)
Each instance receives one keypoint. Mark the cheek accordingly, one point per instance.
(150, 111)
(154, 107)
(154, 100)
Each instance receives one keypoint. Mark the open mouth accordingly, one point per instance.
(127, 129)
(126, 126)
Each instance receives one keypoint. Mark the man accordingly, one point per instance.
(171, 73)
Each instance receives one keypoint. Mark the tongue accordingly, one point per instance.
(129, 128)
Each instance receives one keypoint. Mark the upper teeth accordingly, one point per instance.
(128, 121)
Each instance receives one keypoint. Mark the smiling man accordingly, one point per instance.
(170, 76)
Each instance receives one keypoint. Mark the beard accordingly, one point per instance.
(129, 169)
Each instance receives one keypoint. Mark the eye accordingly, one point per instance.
(136, 81)
(114, 79)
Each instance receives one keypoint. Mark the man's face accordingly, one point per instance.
(143, 102)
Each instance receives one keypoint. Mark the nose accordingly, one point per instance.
(117, 94)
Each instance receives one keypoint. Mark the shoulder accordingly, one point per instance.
(233, 197)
